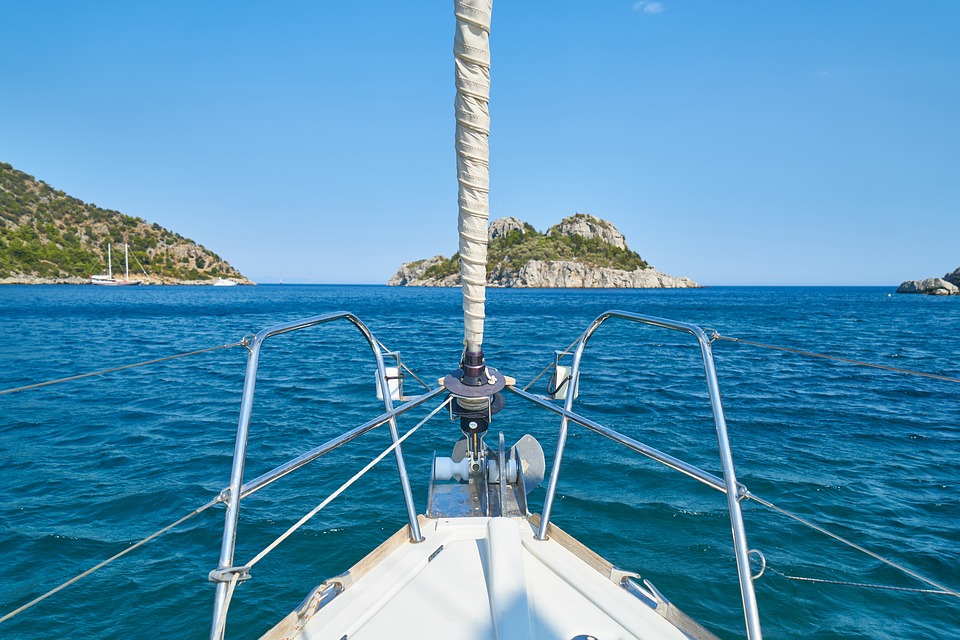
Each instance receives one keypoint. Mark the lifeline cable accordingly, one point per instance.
(909, 572)
(547, 368)
(405, 367)
(346, 485)
(716, 336)
(221, 622)
(865, 585)
(415, 377)
(37, 385)
(110, 559)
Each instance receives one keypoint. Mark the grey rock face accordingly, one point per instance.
(567, 274)
(588, 226)
(411, 274)
(932, 286)
(550, 273)
(22, 278)
(559, 274)
(953, 277)
(502, 226)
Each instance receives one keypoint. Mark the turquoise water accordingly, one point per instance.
(92, 466)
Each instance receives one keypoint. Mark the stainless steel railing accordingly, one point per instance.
(236, 490)
(728, 484)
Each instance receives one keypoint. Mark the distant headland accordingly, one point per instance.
(948, 285)
(582, 251)
(48, 237)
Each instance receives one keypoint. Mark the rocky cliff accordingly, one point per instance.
(948, 285)
(569, 274)
(582, 251)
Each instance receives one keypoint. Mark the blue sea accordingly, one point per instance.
(91, 466)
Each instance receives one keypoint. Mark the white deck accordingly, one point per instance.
(478, 578)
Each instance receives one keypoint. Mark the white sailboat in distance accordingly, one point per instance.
(108, 280)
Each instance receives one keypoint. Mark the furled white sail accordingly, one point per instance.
(472, 55)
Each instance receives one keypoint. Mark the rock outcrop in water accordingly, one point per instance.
(948, 285)
(583, 251)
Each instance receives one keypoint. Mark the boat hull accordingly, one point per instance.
(107, 282)
(485, 578)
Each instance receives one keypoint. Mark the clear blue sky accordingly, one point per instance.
(734, 142)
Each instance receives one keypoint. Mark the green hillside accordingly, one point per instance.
(45, 233)
(514, 249)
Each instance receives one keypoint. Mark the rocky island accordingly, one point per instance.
(948, 285)
(49, 237)
(582, 251)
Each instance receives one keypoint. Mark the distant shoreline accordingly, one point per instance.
(145, 282)
(86, 281)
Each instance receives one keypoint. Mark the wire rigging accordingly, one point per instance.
(864, 585)
(940, 588)
(716, 336)
(37, 385)
(346, 485)
(69, 582)
(244, 569)
(547, 368)
(245, 342)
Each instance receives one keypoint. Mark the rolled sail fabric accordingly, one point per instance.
(472, 61)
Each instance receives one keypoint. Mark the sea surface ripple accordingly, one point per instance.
(91, 466)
